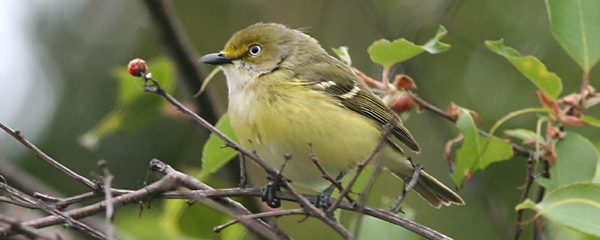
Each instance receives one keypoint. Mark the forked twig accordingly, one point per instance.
(409, 186)
(361, 167)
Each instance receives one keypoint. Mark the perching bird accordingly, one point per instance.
(286, 91)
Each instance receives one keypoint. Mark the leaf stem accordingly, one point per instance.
(516, 114)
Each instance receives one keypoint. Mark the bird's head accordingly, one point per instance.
(265, 47)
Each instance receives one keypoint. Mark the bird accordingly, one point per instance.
(286, 92)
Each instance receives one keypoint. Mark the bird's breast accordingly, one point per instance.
(285, 119)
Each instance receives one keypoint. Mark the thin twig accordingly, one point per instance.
(171, 180)
(528, 182)
(315, 212)
(19, 137)
(243, 179)
(361, 166)
(234, 192)
(62, 203)
(326, 175)
(362, 200)
(233, 209)
(72, 222)
(16, 226)
(409, 186)
(110, 209)
(518, 149)
(584, 86)
(279, 213)
(538, 223)
(288, 196)
(17, 202)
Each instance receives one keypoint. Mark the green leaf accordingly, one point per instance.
(590, 120)
(214, 155)
(576, 206)
(388, 53)
(135, 107)
(342, 52)
(476, 152)
(434, 45)
(575, 26)
(558, 231)
(531, 67)
(576, 160)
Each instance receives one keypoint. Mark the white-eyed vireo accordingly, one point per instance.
(286, 91)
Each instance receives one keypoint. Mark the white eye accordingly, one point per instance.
(254, 50)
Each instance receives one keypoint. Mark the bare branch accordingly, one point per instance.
(326, 175)
(279, 213)
(385, 215)
(409, 186)
(16, 226)
(110, 209)
(72, 222)
(315, 212)
(518, 149)
(361, 166)
(363, 197)
(19, 137)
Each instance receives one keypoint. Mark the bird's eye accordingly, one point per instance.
(254, 50)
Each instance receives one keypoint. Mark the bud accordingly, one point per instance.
(404, 82)
(401, 102)
(137, 67)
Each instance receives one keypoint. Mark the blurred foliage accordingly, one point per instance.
(135, 107)
(215, 154)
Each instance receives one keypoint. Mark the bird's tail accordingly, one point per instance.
(430, 189)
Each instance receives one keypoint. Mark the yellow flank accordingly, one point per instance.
(281, 119)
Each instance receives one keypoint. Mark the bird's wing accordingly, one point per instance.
(343, 85)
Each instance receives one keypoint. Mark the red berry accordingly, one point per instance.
(137, 67)
(402, 102)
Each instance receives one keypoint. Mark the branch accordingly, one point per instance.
(72, 222)
(326, 175)
(361, 166)
(382, 214)
(528, 182)
(19, 137)
(110, 209)
(171, 180)
(422, 103)
(16, 226)
(276, 214)
(409, 186)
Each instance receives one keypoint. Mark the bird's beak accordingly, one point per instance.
(216, 59)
